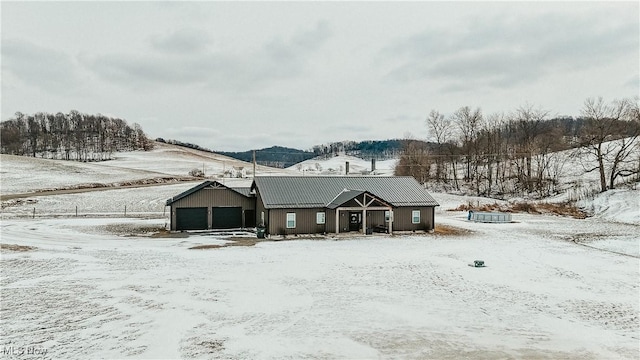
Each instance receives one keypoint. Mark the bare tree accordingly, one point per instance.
(72, 136)
(414, 161)
(468, 122)
(528, 125)
(605, 123)
(440, 131)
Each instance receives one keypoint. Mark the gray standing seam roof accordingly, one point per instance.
(319, 191)
(242, 191)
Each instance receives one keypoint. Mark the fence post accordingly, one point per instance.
(76, 210)
(34, 213)
(125, 211)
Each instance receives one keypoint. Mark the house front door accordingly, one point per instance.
(355, 221)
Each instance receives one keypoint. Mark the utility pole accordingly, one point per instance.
(254, 164)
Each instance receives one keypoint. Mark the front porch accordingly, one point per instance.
(357, 210)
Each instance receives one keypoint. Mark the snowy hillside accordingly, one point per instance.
(20, 174)
(336, 165)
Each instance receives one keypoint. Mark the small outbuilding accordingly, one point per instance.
(212, 205)
(489, 217)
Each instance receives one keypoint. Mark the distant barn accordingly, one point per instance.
(285, 205)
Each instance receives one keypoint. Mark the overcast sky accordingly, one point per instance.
(247, 75)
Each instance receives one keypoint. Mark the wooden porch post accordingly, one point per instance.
(364, 221)
(390, 221)
(337, 221)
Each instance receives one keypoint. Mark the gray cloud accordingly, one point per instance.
(183, 41)
(504, 52)
(38, 66)
(634, 83)
(276, 60)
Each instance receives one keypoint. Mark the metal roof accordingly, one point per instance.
(319, 191)
(244, 191)
(344, 196)
(348, 195)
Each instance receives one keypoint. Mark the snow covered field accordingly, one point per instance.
(100, 286)
(21, 174)
(335, 165)
(92, 288)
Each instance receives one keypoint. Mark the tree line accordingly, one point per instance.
(70, 136)
(517, 153)
(369, 149)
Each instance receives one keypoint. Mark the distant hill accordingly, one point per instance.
(284, 157)
(275, 156)
(367, 150)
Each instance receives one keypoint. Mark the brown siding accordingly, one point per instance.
(375, 218)
(208, 197)
(260, 209)
(305, 222)
(402, 219)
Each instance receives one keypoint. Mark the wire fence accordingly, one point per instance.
(77, 212)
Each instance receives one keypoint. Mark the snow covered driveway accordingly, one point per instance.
(85, 293)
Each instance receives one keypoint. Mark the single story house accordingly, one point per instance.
(286, 205)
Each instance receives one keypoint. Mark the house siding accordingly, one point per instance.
(402, 219)
(305, 222)
(261, 209)
(212, 197)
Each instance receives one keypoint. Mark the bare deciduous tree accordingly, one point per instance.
(440, 130)
(605, 123)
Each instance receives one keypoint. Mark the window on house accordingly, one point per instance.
(387, 216)
(415, 216)
(291, 220)
(320, 218)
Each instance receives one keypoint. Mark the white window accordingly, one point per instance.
(291, 220)
(387, 215)
(415, 216)
(320, 218)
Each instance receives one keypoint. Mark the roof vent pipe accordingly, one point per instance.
(373, 164)
(346, 168)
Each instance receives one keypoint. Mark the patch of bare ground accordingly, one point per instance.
(164, 233)
(447, 230)
(130, 183)
(17, 202)
(233, 242)
(562, 209)
(14, 247)
(127, 229)
(81, 188)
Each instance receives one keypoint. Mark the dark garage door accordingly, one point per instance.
(249, 218)
(227, 217)
(191, 218)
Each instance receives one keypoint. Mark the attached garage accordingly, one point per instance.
(191, 218)
(226, 217)
(212, 205)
